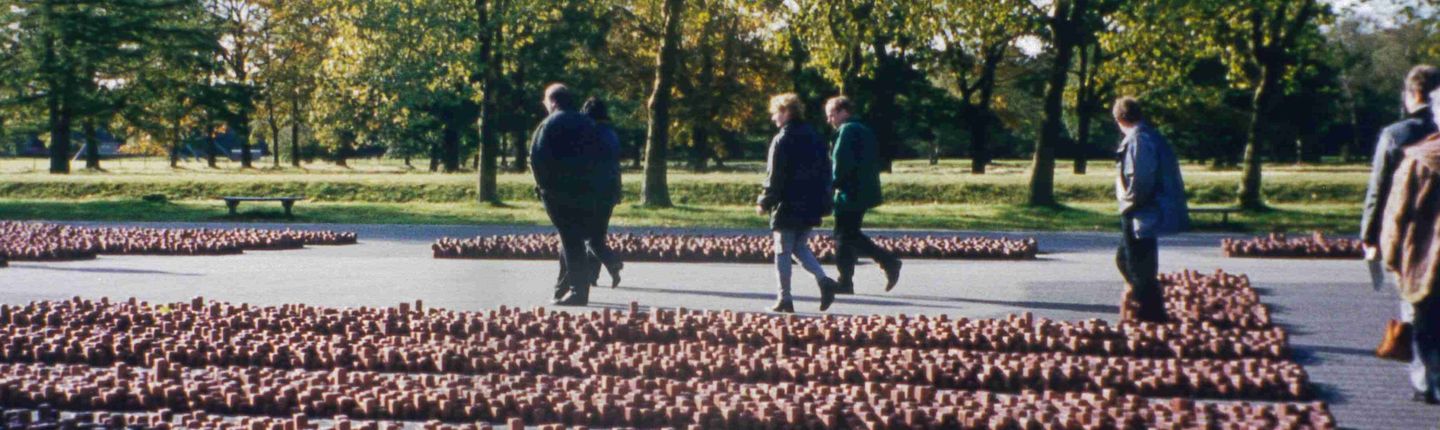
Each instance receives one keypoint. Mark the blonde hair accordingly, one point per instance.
(788, 102)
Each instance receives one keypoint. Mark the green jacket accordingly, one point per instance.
(857, 168)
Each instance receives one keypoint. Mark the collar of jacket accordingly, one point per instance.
(1421, 114)
(1142, 127)
(1426, 152)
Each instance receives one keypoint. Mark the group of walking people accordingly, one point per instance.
(575, 158)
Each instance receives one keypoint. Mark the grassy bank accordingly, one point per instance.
(912, 183)
(1337, 218)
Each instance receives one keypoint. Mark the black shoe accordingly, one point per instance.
(1425, 397)
(615, 275)
(560, 292)
(844, 287)
(892, 273)
(573, 299)
(784, 307)
(827, 293)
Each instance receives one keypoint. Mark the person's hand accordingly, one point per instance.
(1372, 253)
(759, 210)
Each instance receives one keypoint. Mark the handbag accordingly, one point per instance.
(1398, 342)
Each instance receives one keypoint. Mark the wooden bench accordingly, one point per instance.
(233, 202)
(1223, 211)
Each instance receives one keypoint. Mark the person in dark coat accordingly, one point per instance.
(599, 249)
(797, 196)
(857, 190)
(567, 159)
(1389, 151)
(1151, 196)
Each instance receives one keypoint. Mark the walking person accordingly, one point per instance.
(797, 196)
(1410, 246)
(599, 231)
(1151, 197)
(566, 160)
(1389, 151)
(857, 190)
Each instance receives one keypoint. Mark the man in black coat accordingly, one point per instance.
(566, 158)
(1389, 151)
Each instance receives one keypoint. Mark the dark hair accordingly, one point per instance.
(561, 96)
(1422, 80)
(1127, 109)
(596, 110)
(840, 103)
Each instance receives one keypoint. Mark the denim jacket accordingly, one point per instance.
(1149, 187)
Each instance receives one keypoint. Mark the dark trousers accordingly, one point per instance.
(575, 225)
(597, 249)
(1427, 339)
(1139, 263)
(850, 242)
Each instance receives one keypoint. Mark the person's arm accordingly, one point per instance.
(776, 172)
(1142, 182)
(1396, 218)
(844, 156)
(540, 159)
(1382, 166)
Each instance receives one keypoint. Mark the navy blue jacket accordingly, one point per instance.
(611, 163)
(569, 160)
(797, 181)
(1389, 151)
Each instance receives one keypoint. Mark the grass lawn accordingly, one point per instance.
(389, 181)
(1333, 218)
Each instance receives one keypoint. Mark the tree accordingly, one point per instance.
(72, 54)
(246, 32)
(975, 37)
(1068, 23)
(657, 138)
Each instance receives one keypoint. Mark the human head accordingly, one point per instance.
(559, 98)
(1127, 112)
(785, 108)
(1419, 83)
(596, 110)
(838, 110)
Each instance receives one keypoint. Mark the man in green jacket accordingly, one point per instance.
(857, 189)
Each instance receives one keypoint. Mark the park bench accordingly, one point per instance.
(1223, 211)
(233, 202)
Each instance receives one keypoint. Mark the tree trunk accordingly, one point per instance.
(450, 144)
(295, 131)
(491, 58)
(342, 154)
(1249, 196)
(59, 137)
(241, 129)
(522, 150)
(212, 149)
(884, 112)
(981, 114)
(657, 139)
(274, 138)
(179, 137)
(434, 158)
(1084, 104)
(92, 146)
(1042, 169)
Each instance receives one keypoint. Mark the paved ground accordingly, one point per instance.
(1333, 315)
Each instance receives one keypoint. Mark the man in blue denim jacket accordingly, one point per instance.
(1151, 194)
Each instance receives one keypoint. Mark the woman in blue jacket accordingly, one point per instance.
(796, 195)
